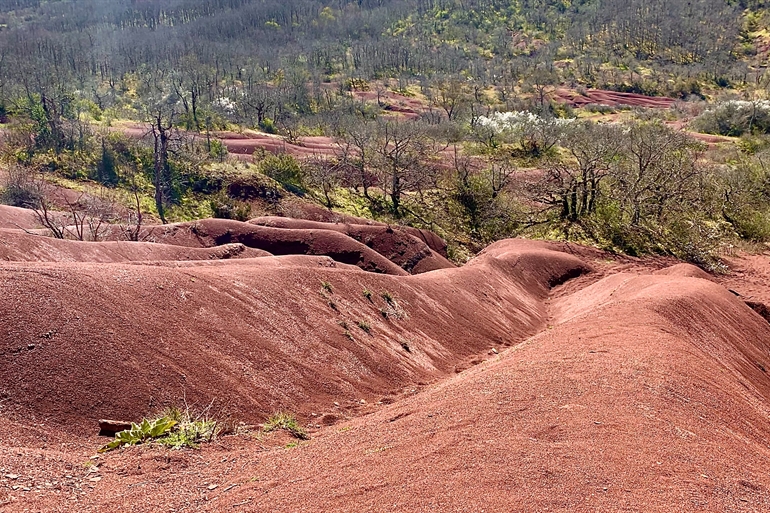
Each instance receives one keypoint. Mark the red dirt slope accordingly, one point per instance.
(17, 218)
(215, 232)
(22, 247)
(405, 250)
(623, 391)
(85, 341)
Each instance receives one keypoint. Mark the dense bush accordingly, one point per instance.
(285, 170)
(735, 118)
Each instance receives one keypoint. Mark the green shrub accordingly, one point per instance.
(285, 170)
(365, 326)
(735, 118)
(268, 126)
(225, 207)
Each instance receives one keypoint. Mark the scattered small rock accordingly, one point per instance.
(12, 477)
(213, 487)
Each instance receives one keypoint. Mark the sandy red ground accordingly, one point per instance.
(537, 377)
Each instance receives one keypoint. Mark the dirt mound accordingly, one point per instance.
(17, 218)
(405, 250)
(22, 247)
(208, 233)
(83, 341)
(311, 212)
(685, 271)
(636, 393)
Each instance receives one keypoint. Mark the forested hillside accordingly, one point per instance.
(457, 115)
(84, 43)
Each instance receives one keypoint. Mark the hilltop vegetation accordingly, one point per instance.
(483, 152)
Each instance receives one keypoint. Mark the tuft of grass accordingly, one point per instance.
(388, 297)
(327, 287)
(384, 313)
(364, 326)
(287, 422)
(405, 346)
(367, 294)
(333, 305)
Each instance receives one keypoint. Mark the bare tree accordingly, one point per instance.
(161, 110)
(574, 185)
(403, 152)
(659, 171)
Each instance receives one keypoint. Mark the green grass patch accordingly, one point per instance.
(287, 422)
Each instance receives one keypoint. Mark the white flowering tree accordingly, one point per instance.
(536, 135)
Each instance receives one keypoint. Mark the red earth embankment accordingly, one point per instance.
(83, 341)
(406, 248)
(22, 247)
(643, 390)
(376, 248)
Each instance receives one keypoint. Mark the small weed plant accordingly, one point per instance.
(364, 326)
(286, 422)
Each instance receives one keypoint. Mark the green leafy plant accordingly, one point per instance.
(174, 428)
(364, 326)
(388, 297)
(287, 422)
(327, 287)
(367, 294)
(142, 432)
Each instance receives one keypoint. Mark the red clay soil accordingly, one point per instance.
(312, 212)
(17, 218)
(18, 246)
(209, 233)
(611, 98)
(625, 386)
(405, 250)
(404, 106)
